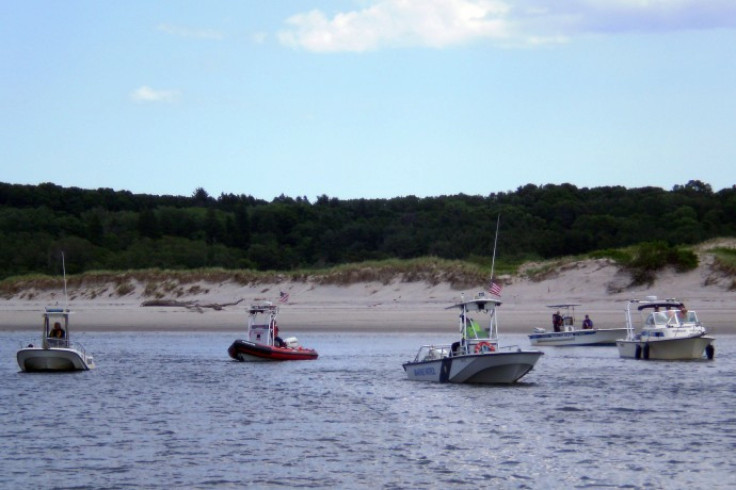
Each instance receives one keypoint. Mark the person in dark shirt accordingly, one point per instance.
(587, 323)
(277, 341)
(557, 321)
(57, 332)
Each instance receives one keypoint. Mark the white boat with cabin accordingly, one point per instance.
(668, 332)
(567, 333)
(55, 351)
(477, 357)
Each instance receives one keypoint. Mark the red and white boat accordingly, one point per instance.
(264, 343)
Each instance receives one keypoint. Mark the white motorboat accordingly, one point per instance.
(668, 332)
(55, 352)
(565, 332)
(477, 357)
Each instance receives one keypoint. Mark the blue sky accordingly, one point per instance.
(367, 98)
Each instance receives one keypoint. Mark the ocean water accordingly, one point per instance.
(166, 410)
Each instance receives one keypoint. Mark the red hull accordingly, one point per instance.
(242, 350)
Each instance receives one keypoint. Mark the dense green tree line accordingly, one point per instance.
(117, 230)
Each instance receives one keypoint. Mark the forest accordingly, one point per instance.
(110, 230)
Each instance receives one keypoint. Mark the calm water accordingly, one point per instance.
(169, 410)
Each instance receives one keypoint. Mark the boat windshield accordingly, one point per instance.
(432, 352)
(473, 330)
(657, 318)
(670, 318)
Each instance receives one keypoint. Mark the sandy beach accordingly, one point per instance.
(596, 285)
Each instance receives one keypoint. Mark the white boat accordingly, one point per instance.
(568, 333)
(54, 353)
(477, 357)
(668, 332)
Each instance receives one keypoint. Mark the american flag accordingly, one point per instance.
(495, 289)
(283, 297)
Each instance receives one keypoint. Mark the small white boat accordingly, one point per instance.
(477, 357)
(566, 332)
(55, 352)
(669, 332)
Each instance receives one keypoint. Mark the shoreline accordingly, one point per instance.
(301, 318)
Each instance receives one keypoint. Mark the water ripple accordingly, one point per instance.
(167, 410)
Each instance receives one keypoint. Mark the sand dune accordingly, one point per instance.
(597, 286)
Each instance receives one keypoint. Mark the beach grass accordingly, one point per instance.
(460, 274)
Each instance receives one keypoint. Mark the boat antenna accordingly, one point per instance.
(63, 271)
(495, 242)
(494, 319)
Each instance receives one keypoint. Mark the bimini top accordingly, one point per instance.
(264, 307)
(667, 304)
(56, 311)
(562, 306)
(480, 303)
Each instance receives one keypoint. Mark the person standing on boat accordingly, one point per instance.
(587, 323)
(277, 341)
(57, 332)
(557, 321)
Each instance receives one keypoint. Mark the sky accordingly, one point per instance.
(367, 98)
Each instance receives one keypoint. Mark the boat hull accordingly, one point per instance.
(603, 336)
(37, 359)
(676, 349)
(490, 368)
(246, 351)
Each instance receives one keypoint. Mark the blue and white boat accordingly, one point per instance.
(477, 357)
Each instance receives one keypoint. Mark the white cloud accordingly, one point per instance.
(191, 33)
(147, 94)
(435, 23)
(442, 23)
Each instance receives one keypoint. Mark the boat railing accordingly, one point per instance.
(78, 347)
(432, 352)
(53, 342)
(57, 342)
(512, 348)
